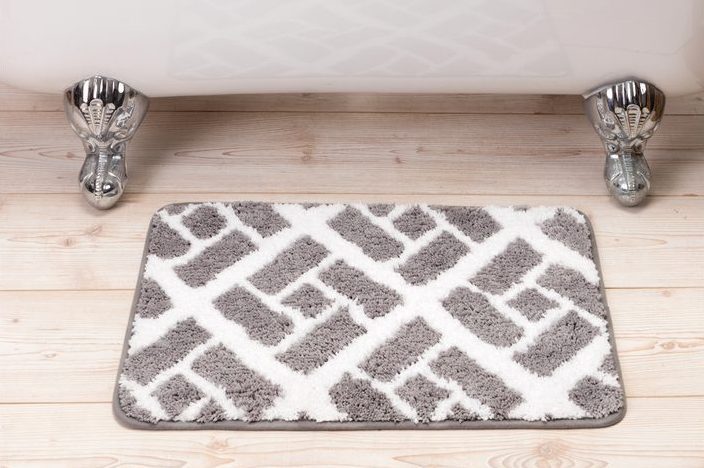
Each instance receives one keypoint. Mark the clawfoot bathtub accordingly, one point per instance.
(624, 56)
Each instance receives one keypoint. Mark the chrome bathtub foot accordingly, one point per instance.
(625, 115)
(105, 113)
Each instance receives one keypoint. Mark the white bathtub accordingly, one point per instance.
(185, 47)
(624, 55)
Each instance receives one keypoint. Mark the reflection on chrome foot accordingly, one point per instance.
(627, 176)
(105, 113)
(625, 115)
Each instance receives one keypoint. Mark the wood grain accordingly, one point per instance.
(349, 153)
(656, 432)
(88, 249)
(72, 354)
(67, 271)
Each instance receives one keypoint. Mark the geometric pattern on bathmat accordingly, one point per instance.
(253, 315)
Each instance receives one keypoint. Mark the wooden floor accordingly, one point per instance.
(67, 271)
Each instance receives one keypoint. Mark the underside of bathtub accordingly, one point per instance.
(105, 113)
(614, 51)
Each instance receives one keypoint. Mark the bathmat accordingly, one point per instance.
(347, 316)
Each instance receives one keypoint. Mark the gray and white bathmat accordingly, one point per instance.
(307, 316)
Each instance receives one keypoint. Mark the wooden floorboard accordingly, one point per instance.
(657, 432)
(71, 353)
(67, 271)
(349, 153)
(657, 245)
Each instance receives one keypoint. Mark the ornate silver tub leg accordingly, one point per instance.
(105, 114)
(625, 115)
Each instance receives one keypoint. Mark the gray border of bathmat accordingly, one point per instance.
(307, 425)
